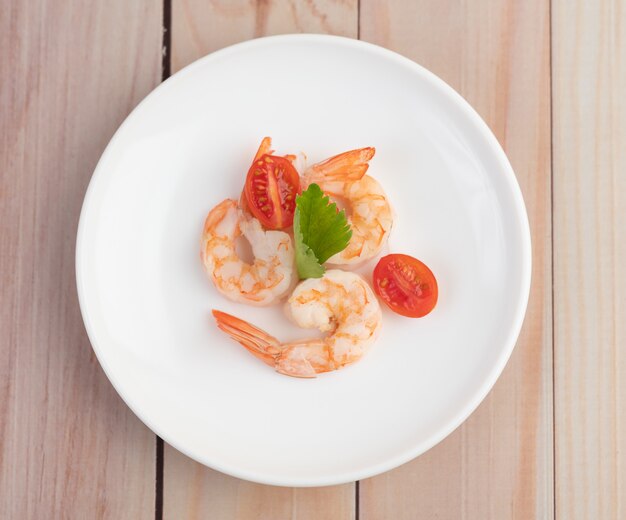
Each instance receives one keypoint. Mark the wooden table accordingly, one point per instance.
(550, 80)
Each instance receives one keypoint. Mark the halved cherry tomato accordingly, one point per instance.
(271, 188)
(406, 285)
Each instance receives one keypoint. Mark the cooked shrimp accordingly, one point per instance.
(340, 303)
(265, 148)
(261, 283)
(343, 178)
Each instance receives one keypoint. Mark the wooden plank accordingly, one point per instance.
(200, 27)
(499, 463)
(69, 447)
(589, 79)
(191, 490)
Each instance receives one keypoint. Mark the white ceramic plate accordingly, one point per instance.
(146, 301)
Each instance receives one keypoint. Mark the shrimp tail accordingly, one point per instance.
(347, 166)
(290, 360)
(264, 149)
(256, 341)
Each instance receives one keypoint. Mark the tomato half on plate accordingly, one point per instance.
(406, 285)
(271, 188)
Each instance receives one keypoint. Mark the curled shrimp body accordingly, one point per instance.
(369, 213)
(261, 283)
(340, 303)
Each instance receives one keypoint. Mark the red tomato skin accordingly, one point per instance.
(272, 185)
(406, 285)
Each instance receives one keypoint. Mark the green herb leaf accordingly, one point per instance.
(306, 261)
(320, 231)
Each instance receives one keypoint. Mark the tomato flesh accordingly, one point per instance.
(406, 285)
(271, 188)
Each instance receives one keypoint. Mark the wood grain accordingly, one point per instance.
(190, 490)
(193, 491)
(499, 463)
(69, 447)
(589, 139)
(200, 27)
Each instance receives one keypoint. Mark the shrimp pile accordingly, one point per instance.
(340, 304)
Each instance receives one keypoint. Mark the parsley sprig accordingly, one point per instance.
(320, 231)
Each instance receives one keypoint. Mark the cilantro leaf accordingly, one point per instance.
(306, 261)
(320, 231)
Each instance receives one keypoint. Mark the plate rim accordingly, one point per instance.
(518, 209)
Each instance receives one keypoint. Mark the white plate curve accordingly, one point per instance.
(146, 302)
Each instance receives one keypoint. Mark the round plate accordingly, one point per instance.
(146, 301)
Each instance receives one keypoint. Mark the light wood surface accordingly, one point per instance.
(193, 491)
(201, 26)
(589, 143)
(71, 71)
(499, 463)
